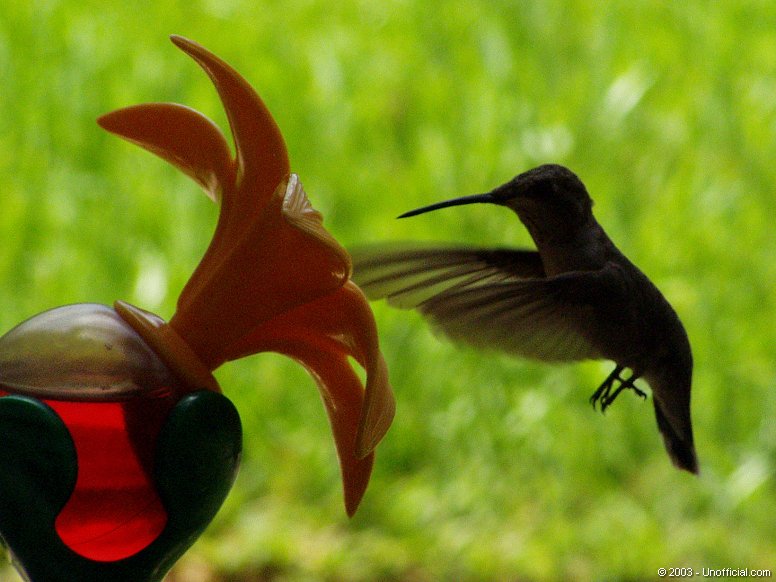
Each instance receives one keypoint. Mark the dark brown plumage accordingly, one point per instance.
(576, 297)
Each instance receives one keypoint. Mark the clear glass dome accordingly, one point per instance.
(84, 352)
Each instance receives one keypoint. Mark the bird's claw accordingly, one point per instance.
(597, 395)
(604, 395)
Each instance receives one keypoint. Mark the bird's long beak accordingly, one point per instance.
(487, 198)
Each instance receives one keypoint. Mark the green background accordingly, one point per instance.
(495, 468)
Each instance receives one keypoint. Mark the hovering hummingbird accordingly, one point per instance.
(576, 297)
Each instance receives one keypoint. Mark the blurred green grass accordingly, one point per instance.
(495, 468)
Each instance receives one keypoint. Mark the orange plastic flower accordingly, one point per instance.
(272, 279)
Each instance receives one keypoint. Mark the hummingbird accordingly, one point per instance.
(575, 297)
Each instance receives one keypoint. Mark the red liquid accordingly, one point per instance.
(114, 511)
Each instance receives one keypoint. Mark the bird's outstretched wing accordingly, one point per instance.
(497, 299)
(408, 275)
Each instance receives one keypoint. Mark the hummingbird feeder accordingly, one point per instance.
(117, 447)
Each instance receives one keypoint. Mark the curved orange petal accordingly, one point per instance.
(322, 335)
(262, 158)
(342, 396)
(182, 136)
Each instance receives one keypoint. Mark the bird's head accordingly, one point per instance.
(550, 200)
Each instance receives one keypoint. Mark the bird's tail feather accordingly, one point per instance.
(680, 447)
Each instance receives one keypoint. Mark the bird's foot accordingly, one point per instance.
(604, 395)
(609, 398)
